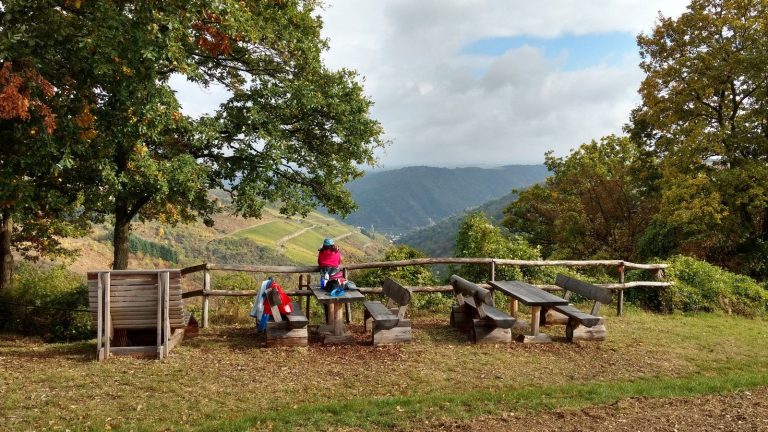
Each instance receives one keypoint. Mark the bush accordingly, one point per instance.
(700, 286)
(54, 302)
(479, 238)
(230, 310)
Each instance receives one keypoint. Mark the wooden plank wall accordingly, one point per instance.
(134, 298)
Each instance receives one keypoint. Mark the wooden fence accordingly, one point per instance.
(206, 292)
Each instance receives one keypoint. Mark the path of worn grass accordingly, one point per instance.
(223, 380)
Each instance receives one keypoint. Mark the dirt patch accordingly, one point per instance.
(741, 411)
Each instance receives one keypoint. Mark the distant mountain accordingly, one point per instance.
(402, 200)
(439, 240)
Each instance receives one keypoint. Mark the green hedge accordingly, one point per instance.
(47, 303)
(700, 286)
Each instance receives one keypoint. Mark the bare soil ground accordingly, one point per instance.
(742, 411)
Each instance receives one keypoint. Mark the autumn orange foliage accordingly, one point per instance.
(210, 37)
(16, 99)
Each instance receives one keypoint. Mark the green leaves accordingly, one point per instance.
(705, 101)
(292, 132)
(479, 238)
(597, 202)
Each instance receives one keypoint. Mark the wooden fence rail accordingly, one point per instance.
(492, 263)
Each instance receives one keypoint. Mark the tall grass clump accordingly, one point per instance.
(48, 303)
(702, 287)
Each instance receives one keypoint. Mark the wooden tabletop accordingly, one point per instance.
(326, 297)
(528, 294)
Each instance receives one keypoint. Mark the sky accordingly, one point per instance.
(485, 82)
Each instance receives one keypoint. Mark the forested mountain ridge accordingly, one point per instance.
(439, 240)
(402, 200)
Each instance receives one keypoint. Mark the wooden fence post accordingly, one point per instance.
(206, 290)
(620, 299)
(100, 318)
(493, 279)
(165, 279)
(107, 313)
(493, 271)
(160, 323)
(347, 307)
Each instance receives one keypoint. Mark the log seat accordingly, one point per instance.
(387, 323)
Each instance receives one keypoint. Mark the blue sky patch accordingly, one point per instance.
(578, 52)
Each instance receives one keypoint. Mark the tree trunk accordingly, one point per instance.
(122, 232)
(6, 257)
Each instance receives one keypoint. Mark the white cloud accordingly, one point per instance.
(440, 106)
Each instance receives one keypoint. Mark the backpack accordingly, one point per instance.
(286, 308)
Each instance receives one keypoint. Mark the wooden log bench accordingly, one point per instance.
(285, 330)
(579, 325)
(387, 323)
(475, 314)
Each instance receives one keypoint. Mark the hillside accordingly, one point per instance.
(273, 239)
(402, 200)
(439, 239)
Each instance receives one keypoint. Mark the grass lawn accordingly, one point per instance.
(222, 380)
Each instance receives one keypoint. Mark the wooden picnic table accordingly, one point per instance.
(335, 330)
(535, 298)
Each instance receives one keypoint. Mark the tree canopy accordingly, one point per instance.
(691, 176)
(292, 131)
(596, 204)
(479, 238)
(704, 113)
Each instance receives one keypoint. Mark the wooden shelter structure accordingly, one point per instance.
(133, 300)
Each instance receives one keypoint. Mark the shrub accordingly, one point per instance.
(479, 238)
(229, 310)
(54, 301)
(700, 286)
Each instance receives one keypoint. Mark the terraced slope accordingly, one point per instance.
(299, 239)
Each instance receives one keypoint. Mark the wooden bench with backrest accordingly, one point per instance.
(136, 312)
(291, 331)
(388, 323)
(475, 314)
(580, 325)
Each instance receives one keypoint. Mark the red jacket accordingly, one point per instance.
(328, 258)
(286, 308)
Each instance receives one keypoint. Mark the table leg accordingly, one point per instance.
(535, 336)
(535, 317)
(513, 307)
(338, 320)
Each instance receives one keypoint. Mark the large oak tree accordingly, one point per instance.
(39, 107)
(704, 112)
(292, 132)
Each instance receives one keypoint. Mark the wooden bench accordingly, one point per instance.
(289, 332)
(475, 314)
(136, 312)
(580, 325)
(387, 323)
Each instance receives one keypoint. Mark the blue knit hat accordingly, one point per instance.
(328, 242)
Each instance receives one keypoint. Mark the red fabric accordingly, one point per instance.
(284, 308)
(328, 258)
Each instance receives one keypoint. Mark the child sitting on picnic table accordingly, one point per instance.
(329, 259)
